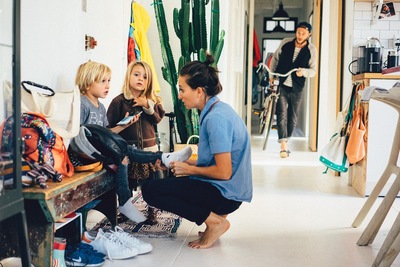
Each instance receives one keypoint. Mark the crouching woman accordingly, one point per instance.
(206, 190)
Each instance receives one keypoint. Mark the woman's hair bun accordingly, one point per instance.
(209, 59)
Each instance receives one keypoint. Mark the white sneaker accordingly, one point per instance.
(109, 245)
(130, 211)
(181, 155)
(131, 241)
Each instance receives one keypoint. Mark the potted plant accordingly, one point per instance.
(193, 42)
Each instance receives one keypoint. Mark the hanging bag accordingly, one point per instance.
(333, 155)
(355, 149)
(61, 109)
(194, 147)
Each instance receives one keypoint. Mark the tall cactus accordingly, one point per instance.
(193, 42)
(168, 70)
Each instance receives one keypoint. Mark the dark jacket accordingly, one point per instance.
(141, 133)
(286, 63)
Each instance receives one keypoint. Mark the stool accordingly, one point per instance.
(392, 241)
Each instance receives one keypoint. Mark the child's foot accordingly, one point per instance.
(181, 155)
(130, 211)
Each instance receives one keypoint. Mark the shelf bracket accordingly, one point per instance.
(376, 10)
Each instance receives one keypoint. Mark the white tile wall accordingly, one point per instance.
(385, 29)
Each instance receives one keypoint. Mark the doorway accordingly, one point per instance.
(302, 10)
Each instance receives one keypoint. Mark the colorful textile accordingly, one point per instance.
(140, 22)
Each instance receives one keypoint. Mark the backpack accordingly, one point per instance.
(99, 143)
(41, 143)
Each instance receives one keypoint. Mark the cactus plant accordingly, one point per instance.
(193, 44)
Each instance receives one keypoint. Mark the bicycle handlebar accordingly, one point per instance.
(262, 65)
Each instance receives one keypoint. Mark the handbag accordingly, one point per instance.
(333, 155)
(194, 147)
(61, 109)
(355, 149)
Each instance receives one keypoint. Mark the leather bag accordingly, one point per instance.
(355, 149)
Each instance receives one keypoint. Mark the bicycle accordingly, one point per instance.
(269, 104)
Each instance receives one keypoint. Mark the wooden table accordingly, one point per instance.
(46, 206)
(358, 171)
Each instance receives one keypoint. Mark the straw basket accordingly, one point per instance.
(194, 147)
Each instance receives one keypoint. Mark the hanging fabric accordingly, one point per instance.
(140, 22)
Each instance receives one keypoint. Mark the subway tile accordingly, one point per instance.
(362, 25)
(367, 15)
(362, 6)
(388, 34)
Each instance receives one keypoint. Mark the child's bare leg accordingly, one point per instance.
(201, 233)
(217, 225)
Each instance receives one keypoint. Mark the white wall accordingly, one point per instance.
(384, 29)
(53, 43)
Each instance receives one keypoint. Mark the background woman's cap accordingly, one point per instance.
(304, 25)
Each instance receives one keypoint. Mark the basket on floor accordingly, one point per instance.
(194, 147)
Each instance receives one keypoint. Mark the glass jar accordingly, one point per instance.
(163, 142)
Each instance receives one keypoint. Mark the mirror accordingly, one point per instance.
(7, 97)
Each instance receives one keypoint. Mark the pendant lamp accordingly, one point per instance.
(278, 28)
(280, 14)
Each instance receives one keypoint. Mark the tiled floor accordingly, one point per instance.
(298, 217)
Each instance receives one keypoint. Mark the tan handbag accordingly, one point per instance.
(355, 149)
(194, 147)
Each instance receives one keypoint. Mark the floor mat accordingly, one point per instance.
(166, 224)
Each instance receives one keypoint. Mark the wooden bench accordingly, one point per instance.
(44, 207)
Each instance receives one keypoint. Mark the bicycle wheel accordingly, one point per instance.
(264, 113)
(269, 119)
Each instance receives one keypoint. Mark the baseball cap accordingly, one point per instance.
(304, 25)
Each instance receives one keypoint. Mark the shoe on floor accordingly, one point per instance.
(109, 245)
(132, 241)
(284, 153)
(130, 211)
(181, 155)
(83, 255)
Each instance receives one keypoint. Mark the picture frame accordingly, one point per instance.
(387, 10)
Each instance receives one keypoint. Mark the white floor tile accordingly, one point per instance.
(298, 217)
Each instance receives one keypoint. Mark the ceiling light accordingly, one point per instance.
(280, 14)
(278, 28)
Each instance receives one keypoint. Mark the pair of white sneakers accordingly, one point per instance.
(117, 244)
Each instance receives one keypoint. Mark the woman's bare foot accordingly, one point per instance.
(201, 233)
(216, 226)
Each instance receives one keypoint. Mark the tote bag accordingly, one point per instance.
(61, 109)
(333, 155)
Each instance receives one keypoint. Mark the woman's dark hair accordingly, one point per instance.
(202, 74)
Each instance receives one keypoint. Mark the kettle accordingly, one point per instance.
(373, 55)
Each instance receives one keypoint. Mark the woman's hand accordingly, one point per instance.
(179, 168)
(222, 170)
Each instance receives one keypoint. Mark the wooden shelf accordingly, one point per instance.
(395, 1)
(379, 76)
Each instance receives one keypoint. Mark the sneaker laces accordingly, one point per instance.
(125, 237)
(111, 242)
